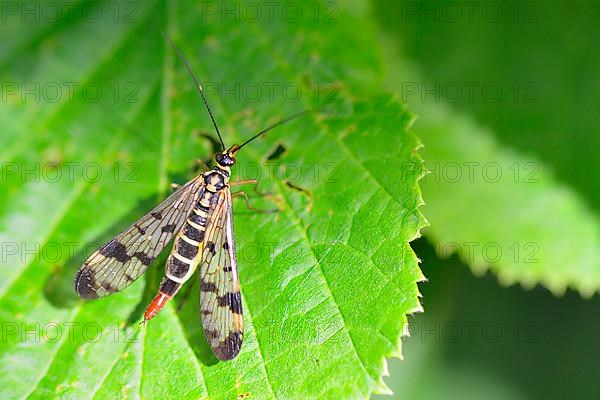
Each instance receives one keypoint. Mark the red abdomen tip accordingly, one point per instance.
(157, 304)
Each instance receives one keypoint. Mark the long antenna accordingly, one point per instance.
(198, 85)
(283, 121)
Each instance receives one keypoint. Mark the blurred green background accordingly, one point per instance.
(547, 346)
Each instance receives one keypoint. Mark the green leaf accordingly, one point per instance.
(497, 208)
(526, 228)
(326, 282)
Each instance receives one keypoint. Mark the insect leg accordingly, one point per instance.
(247, 201)
(255, 188)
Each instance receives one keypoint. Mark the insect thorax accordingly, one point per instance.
(216, 178)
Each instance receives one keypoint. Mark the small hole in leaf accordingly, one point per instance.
(276, 153)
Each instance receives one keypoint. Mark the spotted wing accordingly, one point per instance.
(220, 299)
(122, 260)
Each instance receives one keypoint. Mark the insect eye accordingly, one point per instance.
(220, 157)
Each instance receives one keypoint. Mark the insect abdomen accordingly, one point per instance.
(184, 257)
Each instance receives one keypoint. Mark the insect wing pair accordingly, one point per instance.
(199, 218)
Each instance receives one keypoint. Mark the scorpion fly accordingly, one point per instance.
(199, 217)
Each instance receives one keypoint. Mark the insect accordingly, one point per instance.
(198, 216)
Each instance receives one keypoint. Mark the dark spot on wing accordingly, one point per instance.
(157, 215)
(116, 250)
(140, 230)
(211, 334)
(230, 347)
(211, 247)
(170, 228)
(235, 304)
(144, 259)
(231, 300)
(84, 284)
(207, 286)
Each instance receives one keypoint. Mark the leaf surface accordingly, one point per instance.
(326, 282)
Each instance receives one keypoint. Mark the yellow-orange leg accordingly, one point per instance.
(251, 182)
(247, 201)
